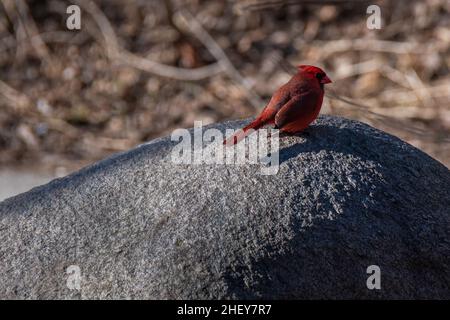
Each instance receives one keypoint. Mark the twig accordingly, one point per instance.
(331, 47)
(394, 75)
(25, 27)
(32, 31)
(357, 69)
(109, 35)
(118, 54)
(186, 20)
(170, 15)
(262, 5)
(14, 98)
(416, 83)
(19, 28)
(162, 70)
(387, 120)
(441, 90)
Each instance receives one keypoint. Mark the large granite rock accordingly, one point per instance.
(346, 196)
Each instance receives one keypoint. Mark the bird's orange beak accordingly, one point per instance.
(325, 80)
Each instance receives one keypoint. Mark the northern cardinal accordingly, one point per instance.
(293, 106)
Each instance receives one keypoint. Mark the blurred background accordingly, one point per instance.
(136, 70)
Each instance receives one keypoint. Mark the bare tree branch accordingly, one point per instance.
(118, 54)
(187, 20)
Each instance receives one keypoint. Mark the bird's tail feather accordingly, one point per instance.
(241, 134)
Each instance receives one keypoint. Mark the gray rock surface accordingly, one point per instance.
(346, 196)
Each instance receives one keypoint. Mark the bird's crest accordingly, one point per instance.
(311, 69)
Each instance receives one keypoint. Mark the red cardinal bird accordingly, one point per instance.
(293, 106)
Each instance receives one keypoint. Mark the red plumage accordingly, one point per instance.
(293, 106)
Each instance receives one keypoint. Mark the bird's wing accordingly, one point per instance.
(299, 107)
(278, 100)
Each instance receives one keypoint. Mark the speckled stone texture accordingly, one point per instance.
(346, 196)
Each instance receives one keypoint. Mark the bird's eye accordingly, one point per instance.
(320, 76)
